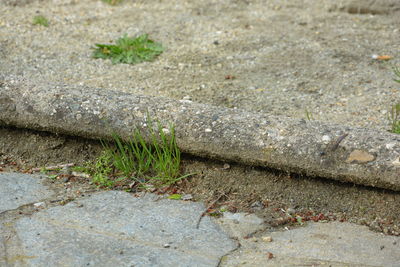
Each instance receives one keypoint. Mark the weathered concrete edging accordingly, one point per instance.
(358, 155)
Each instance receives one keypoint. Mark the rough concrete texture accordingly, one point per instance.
(20, 189)
(363, 156)
(326, 244)
(257, 56)
(115, 228)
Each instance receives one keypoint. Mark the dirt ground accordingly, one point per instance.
(270, 194)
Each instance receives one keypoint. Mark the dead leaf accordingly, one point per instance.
(382, 57)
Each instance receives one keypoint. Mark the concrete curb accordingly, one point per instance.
(363, 156)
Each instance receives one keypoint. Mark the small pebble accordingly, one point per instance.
(326, 139)
(187, 197)
(291, 211)
(226, 166)
(267, 238)
(390, 145)
(257, 205)
(39, 204)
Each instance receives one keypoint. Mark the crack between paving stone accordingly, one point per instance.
(230, 252)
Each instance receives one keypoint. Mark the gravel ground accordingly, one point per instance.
(277, 57)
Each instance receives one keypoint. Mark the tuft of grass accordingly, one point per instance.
(396, 71)
(394, 118)
(309, 115)
(394, 114)
(40, 20)
(156, 162)
(112, 2)
(129, 50)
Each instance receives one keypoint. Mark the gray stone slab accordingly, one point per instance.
(2, 248)
(116, 229)
(327, 244)
(18, 189)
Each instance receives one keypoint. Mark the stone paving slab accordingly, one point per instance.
(326, 244)
(116, 229)
(18, 189)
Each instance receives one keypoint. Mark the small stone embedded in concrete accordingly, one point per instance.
(326, 139)
(396, 162)
(20, 189)
(360, 156)
(94, 230)
(267, 238)
(390, 145)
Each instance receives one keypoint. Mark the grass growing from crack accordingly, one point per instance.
(394, 118)
(40, 20)
(396, 71)
(309, 115)
(394, 115)
(155, 163)
(129, 50)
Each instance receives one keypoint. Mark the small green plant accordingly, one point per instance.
(112, 2)
(309, 115)
(40, 20)
(394, 118)
(396, 71)
(53, 176)
(101, 169)
(129, 50)
(156, 162)
(175, 197)
(394, 114)
(79, 168)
